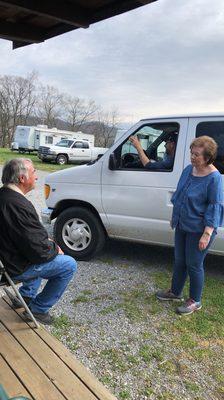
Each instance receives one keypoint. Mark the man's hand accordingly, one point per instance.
(60, 250)
(134, 140)
(136, 143)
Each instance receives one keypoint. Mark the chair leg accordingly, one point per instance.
(12, 284)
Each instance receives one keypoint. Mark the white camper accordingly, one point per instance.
(30, 138)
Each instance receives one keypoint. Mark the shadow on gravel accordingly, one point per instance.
(158, 255)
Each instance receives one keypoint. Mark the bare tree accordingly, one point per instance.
(79, 111)
(17, 98)
(50, 105)
(106, 127)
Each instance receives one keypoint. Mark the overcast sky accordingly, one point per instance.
(163, 58)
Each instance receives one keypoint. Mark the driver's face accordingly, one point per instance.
(170, 146)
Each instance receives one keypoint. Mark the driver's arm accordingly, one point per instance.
(143, 157)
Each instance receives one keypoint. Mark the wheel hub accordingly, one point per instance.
(76, 234)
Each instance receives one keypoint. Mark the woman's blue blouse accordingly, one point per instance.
(198, 201)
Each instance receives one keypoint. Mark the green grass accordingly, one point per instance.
(82, 298)
(60, 329)
(175, 342)
(124, 395)
(7, 154)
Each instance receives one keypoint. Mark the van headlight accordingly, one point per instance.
(47, 190)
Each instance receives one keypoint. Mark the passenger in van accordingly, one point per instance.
(168, 159)
(198, 211)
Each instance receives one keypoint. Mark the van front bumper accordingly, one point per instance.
(46, 215)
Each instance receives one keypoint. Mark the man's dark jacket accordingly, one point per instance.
(23, 239)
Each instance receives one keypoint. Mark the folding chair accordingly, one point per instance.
(5, 280)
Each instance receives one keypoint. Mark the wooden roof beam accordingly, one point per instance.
(20, 32)
(58, 10)
(16, 44)
(118, 7)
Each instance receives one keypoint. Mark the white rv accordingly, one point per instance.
(30, 138)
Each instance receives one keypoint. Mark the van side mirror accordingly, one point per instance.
(112, 162)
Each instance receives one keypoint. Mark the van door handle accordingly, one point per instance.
(170, 194)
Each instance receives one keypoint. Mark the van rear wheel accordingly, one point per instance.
(61, 159)
(79, 233)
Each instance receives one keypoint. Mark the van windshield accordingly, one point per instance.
(65, 143)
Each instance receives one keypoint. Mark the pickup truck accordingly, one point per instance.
(117, 197)
(69, 150)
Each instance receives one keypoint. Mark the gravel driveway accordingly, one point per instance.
(111, 321)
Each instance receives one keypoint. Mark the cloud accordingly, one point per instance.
(165, 57)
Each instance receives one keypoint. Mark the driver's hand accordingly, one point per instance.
(134, 140)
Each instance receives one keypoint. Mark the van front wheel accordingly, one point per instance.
(79, 233)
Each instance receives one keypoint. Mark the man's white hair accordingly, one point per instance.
(13, 169)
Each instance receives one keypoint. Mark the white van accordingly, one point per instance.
(117, 197)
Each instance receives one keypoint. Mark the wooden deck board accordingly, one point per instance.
(43, 365)
(10, 381)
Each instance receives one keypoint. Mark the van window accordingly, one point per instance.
(153, 139)
(48, 140)
(214, 129)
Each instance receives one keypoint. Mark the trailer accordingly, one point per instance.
(30, 138)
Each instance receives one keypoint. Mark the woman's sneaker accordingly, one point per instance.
(189, 307)
(167, 295)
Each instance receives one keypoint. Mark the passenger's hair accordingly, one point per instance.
(13, 169)
(209, 147)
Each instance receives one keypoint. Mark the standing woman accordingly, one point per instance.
(197, 213)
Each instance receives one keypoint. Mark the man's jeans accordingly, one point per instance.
(58, 273)
(189, 260)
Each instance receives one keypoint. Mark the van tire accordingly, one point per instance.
(88, 236)
(61, 159)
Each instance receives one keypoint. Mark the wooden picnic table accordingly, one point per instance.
(35, 364)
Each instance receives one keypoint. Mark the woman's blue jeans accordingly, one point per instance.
(58, 273)
(189, 260)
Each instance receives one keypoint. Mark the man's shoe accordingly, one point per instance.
(189, 307)
(167, 295)
(44, 318)
(16, 302)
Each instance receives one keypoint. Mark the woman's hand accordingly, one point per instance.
(204, 241)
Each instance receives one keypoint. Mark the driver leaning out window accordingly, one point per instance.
(168, 158)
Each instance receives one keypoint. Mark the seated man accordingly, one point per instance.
(25, 249)
(166, 163)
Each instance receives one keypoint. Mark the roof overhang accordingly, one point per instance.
(28, 21)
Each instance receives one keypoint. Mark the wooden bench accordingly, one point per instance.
(35, 364)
